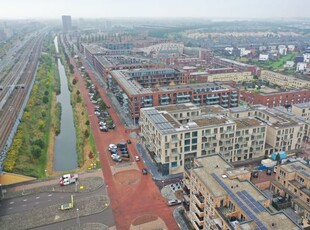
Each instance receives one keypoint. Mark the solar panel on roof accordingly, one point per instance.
(297, 167)
(305, 174)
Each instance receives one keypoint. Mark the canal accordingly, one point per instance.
(65, 156)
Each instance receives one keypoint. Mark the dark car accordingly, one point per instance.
(128, 141)
(113, 151)
(111, 126)
(144, 171)
(121, 145)
(125, 155)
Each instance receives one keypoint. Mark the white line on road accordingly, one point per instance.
(37, 197)
(50, 194)
(25, 200)
(12, 202)
(24, 205)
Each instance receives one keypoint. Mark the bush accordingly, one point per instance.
(74, 81)
(45, 100)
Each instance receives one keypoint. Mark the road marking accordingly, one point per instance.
(37, 202)
(50, 194)
(25, 200)
(37, 197)
(24, 205)
(10, 207)
(12, 202)
(49, 200)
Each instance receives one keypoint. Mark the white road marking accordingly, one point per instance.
(37, 197)
(25, 200)
(12, 202)
(50, 194)
(49, 200)
(24, 205)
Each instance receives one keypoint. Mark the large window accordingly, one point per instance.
(174, 164)
(194, 134)
(187, 142)
(186, 148)
(194, 141)
(187, 135)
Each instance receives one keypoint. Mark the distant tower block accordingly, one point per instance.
(66, 23)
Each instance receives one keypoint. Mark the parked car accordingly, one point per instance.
(128, 141)
(125, 155)
(144, 171)
(111, 126)
(137, 158)
(174, 202)
(68, 179)
(116, 157)
(121, 145)
(104, 128)
(113, 151)
(123, 149)
(112, 146)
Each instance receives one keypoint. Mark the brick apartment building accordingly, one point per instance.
(143, 88)
(276, 99)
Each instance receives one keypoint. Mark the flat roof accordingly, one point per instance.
(234, 62)
(297, 166)
(247, 122)
(212, 120)
(210, 171)
(212, 109)
(304, 105)
(177, 107)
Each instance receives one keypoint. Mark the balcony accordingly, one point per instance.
(148, 105)
(233, 99)
(197, 99)
(234, 104)
(199, 200)
(213, 97)
(224, 100)
(164, 102)
(183, 95)
(199, 221)
(164, 97)
(183, 100)
(148, 99)
(197, 210)
(213, 102)
(224, 105)
(224, 96)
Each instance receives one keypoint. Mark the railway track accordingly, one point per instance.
(16, 88)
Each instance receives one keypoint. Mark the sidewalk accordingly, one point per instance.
(152, 165)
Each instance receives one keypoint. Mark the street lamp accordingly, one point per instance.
(78, 218)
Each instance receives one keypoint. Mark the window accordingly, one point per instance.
(187, 142)
(194, 134)
(194, 147)
(186, 148)
(194, 141)
(187, 135)
(167, 146)
(174, 164)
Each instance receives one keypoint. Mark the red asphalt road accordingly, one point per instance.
(128, 201)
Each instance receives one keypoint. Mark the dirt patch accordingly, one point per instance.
(144, 219)
(127, 177)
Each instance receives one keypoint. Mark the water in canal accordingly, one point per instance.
(65, 157)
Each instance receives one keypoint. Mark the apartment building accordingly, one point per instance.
(293, 183)
(284, 133)
(176, 134)
(238, 66)
(235, 76)
(155, 87)
(283, 80)
(272, 99)
(222, 197)
(302, 110)
(104, 64)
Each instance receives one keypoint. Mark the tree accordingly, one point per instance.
(74, 81)
(45, 100)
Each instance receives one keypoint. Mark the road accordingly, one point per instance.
(105, 217)
(133, 200)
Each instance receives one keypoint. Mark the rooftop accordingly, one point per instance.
(297, 166)
(303, 105)
(207, 121)
(210, 171)
(247, 122)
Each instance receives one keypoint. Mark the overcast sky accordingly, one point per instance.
(154, 8)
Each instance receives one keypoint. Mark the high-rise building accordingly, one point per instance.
(66, 23)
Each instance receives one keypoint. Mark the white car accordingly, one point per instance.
(137, 158)
(101, 123)
(116, 157)
(112, 146)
